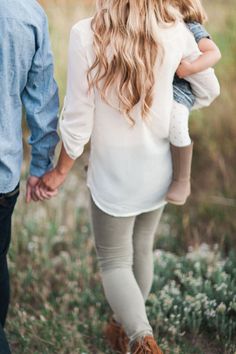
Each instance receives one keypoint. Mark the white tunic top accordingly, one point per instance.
(130, 166)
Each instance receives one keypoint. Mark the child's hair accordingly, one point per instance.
(191, 10)
(126, 47)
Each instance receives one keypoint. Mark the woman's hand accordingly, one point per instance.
(52, 180)
(49, 184)
(33, 192)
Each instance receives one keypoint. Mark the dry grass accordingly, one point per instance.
(58, 304)
(209, 214)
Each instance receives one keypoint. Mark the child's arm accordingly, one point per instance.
(210, 56)
(204, 84)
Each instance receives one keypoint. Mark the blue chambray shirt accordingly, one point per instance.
(182, 88)
(26, 80)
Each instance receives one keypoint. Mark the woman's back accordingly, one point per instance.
(130, 165)
(119, 93)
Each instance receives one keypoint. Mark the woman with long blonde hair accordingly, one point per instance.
(119, 94)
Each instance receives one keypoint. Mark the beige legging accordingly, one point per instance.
(124, 246)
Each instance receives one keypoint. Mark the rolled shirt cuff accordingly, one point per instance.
(39, 167)
(73, 145)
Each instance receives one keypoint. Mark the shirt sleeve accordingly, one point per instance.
(205, 85)
(198, 31)
(76, 123)
(41, 102)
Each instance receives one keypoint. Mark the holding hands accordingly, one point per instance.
(46, 187)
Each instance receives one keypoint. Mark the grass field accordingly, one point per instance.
(58, 304)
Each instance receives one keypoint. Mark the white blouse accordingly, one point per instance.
(130, 167)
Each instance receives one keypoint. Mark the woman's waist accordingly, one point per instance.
(124, 149)
(121, 163)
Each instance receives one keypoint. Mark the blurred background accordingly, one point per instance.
(58, 304)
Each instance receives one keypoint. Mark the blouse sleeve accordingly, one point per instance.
(205, 85)
(76, 123)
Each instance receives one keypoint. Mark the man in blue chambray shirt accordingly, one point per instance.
(26, 79)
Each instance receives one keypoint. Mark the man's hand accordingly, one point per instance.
(185, 69)
(34, 193)
(30, 189)
(48, 185)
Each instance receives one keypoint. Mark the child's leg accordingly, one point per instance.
(179, 131)
(145, 228)
(181, 151)
(114, 247)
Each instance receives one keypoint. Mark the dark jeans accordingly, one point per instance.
(7, 204)
(4, 347)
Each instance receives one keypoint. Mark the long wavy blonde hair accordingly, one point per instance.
(126, 48)
(191, 10)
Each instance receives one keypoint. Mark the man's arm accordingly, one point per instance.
(41, 102)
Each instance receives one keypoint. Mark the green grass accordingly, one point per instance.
(58, 305)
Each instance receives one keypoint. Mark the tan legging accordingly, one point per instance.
(124, 247)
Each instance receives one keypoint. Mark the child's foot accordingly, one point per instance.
(180, 187)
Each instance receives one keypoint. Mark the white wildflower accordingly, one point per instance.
(221, 308)
(220, 287)
(210, 313)
(232, 305)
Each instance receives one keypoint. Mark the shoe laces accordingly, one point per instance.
(147, 345)
(142, 348)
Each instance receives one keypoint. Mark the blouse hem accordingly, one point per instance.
(135, 213)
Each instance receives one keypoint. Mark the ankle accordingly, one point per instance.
(139, 338)
(115, 320)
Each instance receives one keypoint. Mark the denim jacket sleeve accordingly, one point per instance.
(41, 102)
(198, 31)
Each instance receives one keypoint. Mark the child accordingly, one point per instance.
(184, 99)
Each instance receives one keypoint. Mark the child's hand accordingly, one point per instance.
(185, 69)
